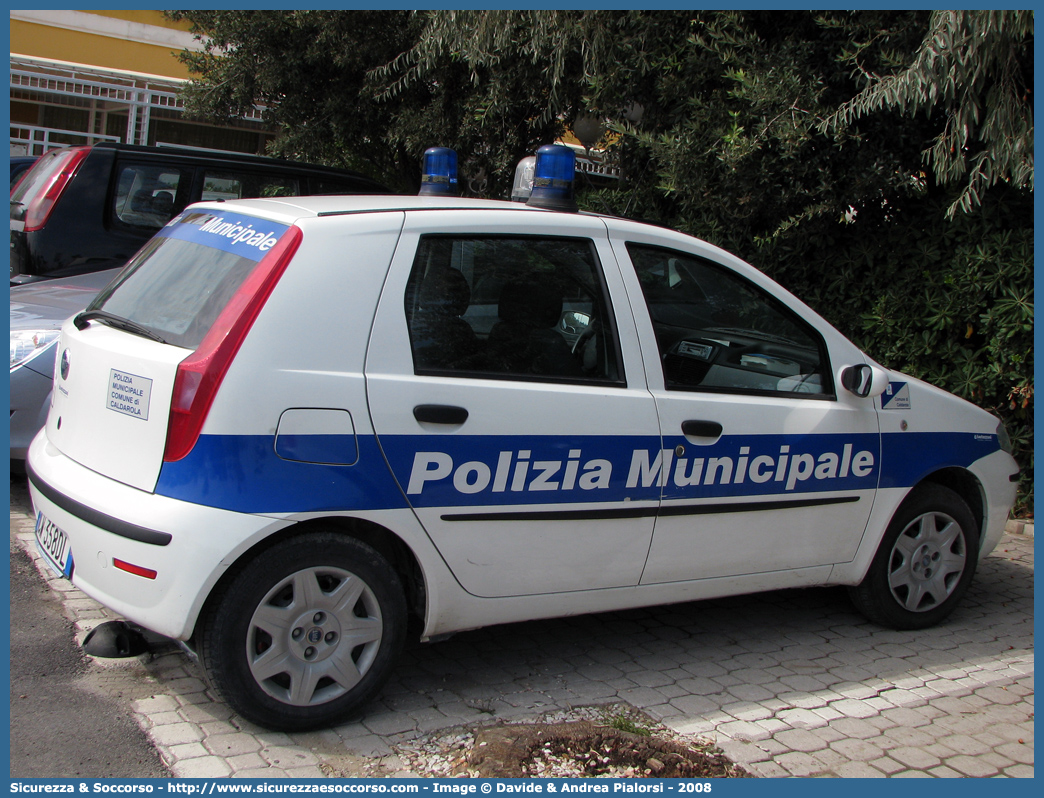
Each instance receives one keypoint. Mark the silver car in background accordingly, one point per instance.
(37, 312)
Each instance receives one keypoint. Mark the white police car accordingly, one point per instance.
(290, 424)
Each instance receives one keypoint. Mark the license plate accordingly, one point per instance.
(53, 544)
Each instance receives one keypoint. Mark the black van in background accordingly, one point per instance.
(85, 209)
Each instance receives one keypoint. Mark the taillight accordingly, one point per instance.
(200, 374)
(43, 203)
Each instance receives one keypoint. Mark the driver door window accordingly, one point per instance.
(717, 332)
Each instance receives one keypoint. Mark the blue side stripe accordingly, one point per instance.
(911, 456)
(245, 474)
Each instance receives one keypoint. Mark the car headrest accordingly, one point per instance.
(530, 303)
(445, 291)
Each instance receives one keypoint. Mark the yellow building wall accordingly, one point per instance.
(60, 44)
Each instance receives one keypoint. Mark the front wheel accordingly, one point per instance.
(924, 564)
(305, 633)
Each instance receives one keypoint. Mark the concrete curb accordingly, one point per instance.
(1019, 527)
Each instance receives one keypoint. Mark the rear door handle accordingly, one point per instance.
(440, 414)
(702, 429)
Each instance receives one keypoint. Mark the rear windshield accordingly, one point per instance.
(181, 280)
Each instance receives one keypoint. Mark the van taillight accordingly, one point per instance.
(43, 203)
(200, 374)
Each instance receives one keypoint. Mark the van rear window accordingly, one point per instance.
(181, 280)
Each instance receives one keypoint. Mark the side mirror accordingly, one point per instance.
(864, 380)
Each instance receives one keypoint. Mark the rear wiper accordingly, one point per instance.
(118, 322)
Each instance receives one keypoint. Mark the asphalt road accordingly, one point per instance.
(64, 721)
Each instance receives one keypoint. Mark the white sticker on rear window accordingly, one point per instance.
(129, 394)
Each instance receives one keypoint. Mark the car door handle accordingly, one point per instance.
(701, 429)
(440, 414)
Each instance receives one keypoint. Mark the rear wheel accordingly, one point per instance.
(305, 633)
(924, 564)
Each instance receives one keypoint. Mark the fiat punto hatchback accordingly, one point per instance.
(291, 425)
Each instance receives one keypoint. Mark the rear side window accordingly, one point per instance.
(146, 194)
(228, 185)
(511, 307)
(178, 283)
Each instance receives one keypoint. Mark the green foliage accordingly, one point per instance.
(622, 722)
(729, 146)
(307, 69)
(976, 69)
(371, 90)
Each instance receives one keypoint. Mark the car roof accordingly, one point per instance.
(290, 208)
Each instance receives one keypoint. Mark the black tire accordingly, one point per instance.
(305, 633)
(924, 564)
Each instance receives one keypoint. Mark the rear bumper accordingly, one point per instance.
(189, 546)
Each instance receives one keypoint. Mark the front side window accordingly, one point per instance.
(718, 332)
(519, 307)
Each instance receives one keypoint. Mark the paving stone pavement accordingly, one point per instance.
(789, 683)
